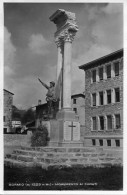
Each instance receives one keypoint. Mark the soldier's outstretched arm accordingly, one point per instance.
(46, 86)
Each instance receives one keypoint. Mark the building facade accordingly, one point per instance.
(104, 101)
(7, 118)
(16, 123)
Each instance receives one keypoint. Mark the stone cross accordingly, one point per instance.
(72, 129)
(66, 29)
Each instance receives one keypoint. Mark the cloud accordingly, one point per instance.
(27, 92)
(113, 8)
(9, 51)
(38, 44)
(18, 76)
(9, 60)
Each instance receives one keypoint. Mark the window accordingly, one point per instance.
(101, 142)
(94, 99)
(101, 97)
(4, 118)
(117, 121)
(93, 142)
(101, 73)
(109, 122)
(94, 75)
(116, 68)
(117, 95)
(94, 123)
(101, 123)
(75, 109)
(5, 130)
(117, 143)
(74, 101)
(108, 96)
(109, 71)
(108, 142)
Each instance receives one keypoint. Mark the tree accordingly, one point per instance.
(28, 116)
(15, 113)
(40, 137)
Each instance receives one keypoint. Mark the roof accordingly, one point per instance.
(78, 95)
(103, 59)
(41, 105)
(73, 96)
(30, 124)
(8, 91)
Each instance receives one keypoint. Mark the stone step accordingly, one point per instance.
(63, 149)
(61, 159)
(58, 164)
(34, 153)
(15, 163)
(27, 161)
(57, 154)
(28, 152)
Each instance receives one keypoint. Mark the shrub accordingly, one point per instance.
(40, 137)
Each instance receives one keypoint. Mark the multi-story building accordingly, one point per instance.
(104, 101)
(8, 101)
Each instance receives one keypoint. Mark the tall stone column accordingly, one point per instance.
(67, 71)
(59, 71)
(60, 57)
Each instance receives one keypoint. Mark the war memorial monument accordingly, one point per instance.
(65, 128)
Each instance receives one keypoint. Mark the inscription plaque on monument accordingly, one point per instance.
(67, 131)
(76, 131)
(71, 131)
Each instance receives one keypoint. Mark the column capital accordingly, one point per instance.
(59, 41)
(66, 34)
(69, 36)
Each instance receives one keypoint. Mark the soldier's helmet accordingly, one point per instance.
(53, 83)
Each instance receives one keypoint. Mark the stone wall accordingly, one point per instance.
(8, 101)
(13, 141)
(17, 140)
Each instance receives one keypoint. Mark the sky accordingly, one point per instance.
(30, 51)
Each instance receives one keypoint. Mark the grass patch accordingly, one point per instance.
(110, 178)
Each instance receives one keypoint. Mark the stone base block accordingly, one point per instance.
(70, 144)
(66, 114)
(65, 144)
(53, 144)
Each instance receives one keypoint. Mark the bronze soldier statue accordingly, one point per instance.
(50, 96)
